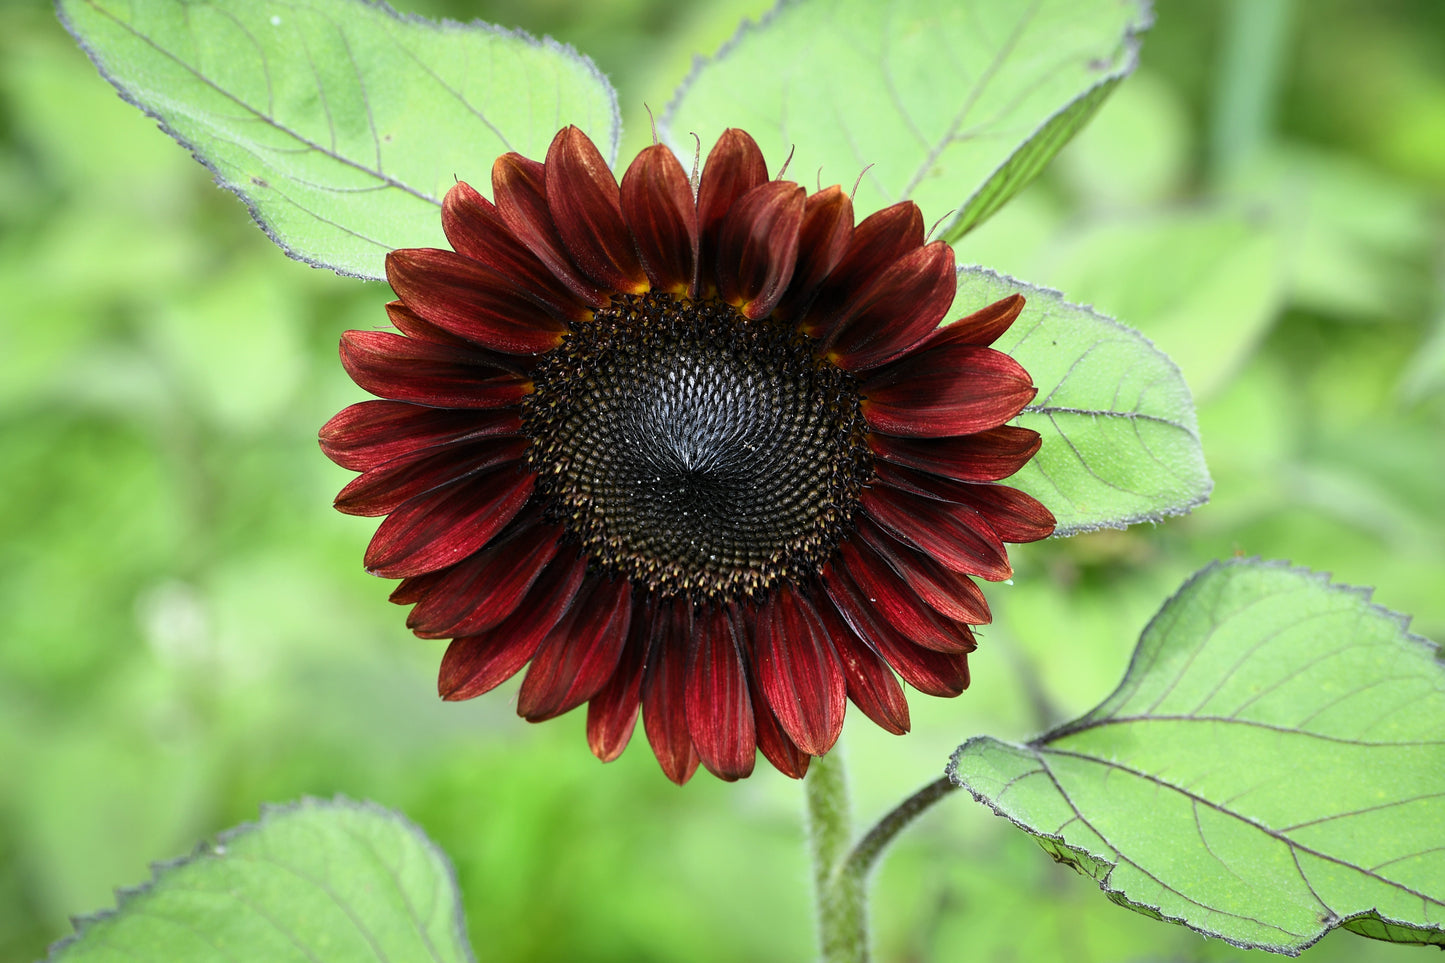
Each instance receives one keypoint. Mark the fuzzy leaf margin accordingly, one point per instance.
(314, 880)
(1271, 767)
(341, 123)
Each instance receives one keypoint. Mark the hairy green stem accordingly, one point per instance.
(841, 901)
(840, 873)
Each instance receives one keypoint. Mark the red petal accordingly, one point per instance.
(897, 604)
(955, 535)
(414, 588)
(583, 200)
(983, 457)
(424, 373)
(477, 229)
(734, 166)
(949, 593)
(444, 526)
(580, 654)
(479, 663)
(799, 672)
(371, 433)
(955, 389)
(872, 687)
(935, 673)
(664, 690)
(1013, 516)
(758, 245)
(612, 712)
(773, 742)
(900, 307)
(382, 490)
(879, 239)
(719, 707)
(659, 208)
(822, 241)
(413, 325)
(983, 327)
(475, 596)
(471, 300)
(519, 186)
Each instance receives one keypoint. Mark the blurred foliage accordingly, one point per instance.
(186, 632)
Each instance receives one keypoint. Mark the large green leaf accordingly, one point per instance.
(955, 105)
(1271, 767)
(341, 123)
(1120, 440)
(315, 881)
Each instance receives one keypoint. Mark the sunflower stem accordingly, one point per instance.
(860, 861)
(841, 897)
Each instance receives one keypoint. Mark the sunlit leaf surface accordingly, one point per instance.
(334, 881)
(1271, 767)
(954, 105)
(341, 123)
(1120, 441)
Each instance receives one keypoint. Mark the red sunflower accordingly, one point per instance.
(707, 455)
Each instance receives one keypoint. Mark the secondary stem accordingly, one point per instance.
(840, 873)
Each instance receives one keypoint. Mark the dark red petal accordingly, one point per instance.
(983, 457)
(479, 663)
(719, 707)
(902, 305)
(519, 186)
(734, 166)
(799, 672)
(897, 604)
(955, 389)
(444, 526)
(757, 247)
(664, 690)
(477, 229)
(475, 596)
(580, 654)
(424, 373)
(879, 239)
(413, 325)
(612, 712)
(955, 535)
(383, 489)
(371, 433)
(583, 200)
(773, 742)
(935, 673)
(658, 206)
(949, 593)
(822, 241)
(413, 589)
(1013, 516)
(872, 687)
(982, 328)
(468, 299)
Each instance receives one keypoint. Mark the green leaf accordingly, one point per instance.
(955, 105)
(1121, 444)
(1271, 767)
(333, 881)
(341, 123)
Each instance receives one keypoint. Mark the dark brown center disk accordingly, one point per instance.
(694, 451)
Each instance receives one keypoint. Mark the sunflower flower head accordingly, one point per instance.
(708, 457)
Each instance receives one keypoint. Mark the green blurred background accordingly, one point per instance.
(186, 631)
